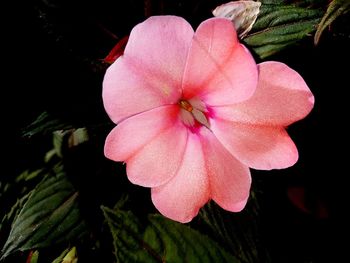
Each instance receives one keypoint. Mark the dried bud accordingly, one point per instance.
(242, 13)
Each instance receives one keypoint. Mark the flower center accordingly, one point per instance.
(193, 113)
(185, 105)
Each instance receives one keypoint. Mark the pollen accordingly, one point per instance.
(186, 105)
(191, 115)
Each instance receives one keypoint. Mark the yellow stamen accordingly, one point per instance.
(186, 105)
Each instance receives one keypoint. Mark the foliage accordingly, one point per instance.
(279, 26)
(162, 240)
(49, 216)
(335, 9)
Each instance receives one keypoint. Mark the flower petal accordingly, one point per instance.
(132, 134)
(229, 179)
(151, 143)
(259, 147)
(158, 161)
(219, 69)
(150, 72)
(282, 97)
(181, 198)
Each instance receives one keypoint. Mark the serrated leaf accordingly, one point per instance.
(335, 9)
(162, 240)
(14, 211)
(21, 187)
(279, 26)
(50, 216)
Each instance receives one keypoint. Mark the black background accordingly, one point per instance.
(52, 52)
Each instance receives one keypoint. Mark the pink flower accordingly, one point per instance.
(194, 112)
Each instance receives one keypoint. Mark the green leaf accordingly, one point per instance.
(28, 175)
(335, 9)
(20, 187)
(14, 211)
(238, 232)
(279, 26)
(270, 2)
(50, 216)
(33, 257)
(61, 256)
(77, 137)
(71, 256)
(66, 139)
(162, 240)
(44, 124)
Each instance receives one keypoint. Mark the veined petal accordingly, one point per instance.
(158, 161)
(229, 179)
(132, 134)
(151, 143)
(181, 198)
(282, 97)
(259, 147)
(150, 72)
(219, 69)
